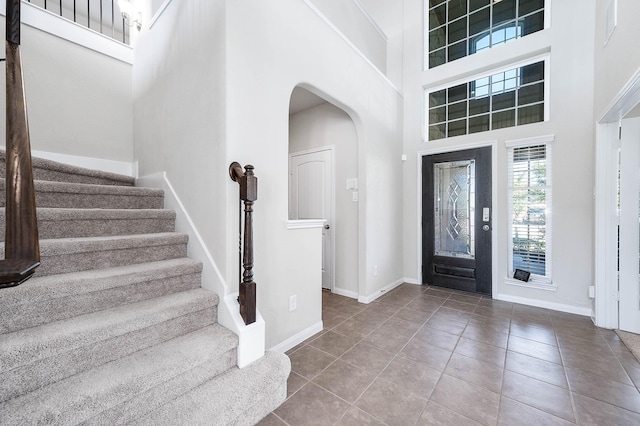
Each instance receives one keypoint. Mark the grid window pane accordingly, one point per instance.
(480, 21)
(457, 8)
(480, 24)
(438, 57)
(437, 115)
(437, 131)
(531, 94)
(527, 6)
(437, 98)
(457, 128)
(457, 30)
(437, 39)
(503, 11)
(477, 4)
(479, 124)
(437, 16)
(457, 110)
(487, 103)
(532, 23)
(531, 114)
(504, 100)
(532, 73)
(457, 51)
(503, 119)
(478, 106)
(457, 93)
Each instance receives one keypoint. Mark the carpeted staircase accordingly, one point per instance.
(114, 327)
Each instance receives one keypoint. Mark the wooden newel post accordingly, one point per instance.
(22, 247)
(248, 194)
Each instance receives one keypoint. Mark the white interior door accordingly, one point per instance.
(629, 252)
(311, 197)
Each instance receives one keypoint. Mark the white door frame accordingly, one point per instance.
(494, 201)
(332, 208)
(606, 221)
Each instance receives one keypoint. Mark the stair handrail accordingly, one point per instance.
(248, 194)
(22, 246)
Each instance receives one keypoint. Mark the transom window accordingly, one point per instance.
(457, 28)
(505, 99)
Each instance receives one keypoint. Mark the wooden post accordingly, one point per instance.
(248, 194)
(22, 247)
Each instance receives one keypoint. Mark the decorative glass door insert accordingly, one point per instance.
(454, 208)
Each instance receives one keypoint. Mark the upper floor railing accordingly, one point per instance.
(103, 16)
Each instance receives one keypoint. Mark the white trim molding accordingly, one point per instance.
(381, 292)
(305, 223)
(112, 166)
(298, 338)
(560, 307)
(346, 293)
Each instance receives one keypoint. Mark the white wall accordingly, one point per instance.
(327, 125)
(277, 45)
(179, 92)
(571, 121)
(619, 59)
(79, 101)
(354, 22)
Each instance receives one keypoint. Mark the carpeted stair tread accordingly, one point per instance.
(50, 170)
(41, 355)
(131, 386)
(88, 196)
(237, 397)
(56, 297)
(63, 255)
(74, 223)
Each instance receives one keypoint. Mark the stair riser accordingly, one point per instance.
(52, 171)
(28, 377)
(155, 397)
(94, 201)
(73, 262)
(25, 315)
(50, 229)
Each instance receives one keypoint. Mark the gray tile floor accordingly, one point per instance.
(429, 356)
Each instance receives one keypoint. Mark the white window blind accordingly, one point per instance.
(529, 186)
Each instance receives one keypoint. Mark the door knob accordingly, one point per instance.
(326, 226)
(485, 227)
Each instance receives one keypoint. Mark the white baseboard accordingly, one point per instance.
(346, 293)
(374, 296)
(561, 307)
(411, 281)
(111, 166)
(298, 338)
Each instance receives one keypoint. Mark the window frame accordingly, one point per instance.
(536, 281)
(427, 90)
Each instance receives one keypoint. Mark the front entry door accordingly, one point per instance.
(456, 220)
(311, 197)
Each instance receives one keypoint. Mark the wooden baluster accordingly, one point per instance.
(22, 247)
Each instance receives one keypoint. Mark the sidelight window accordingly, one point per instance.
(529, 198)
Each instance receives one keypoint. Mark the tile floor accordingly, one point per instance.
(429, 356)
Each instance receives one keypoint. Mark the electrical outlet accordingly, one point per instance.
(293, 303)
